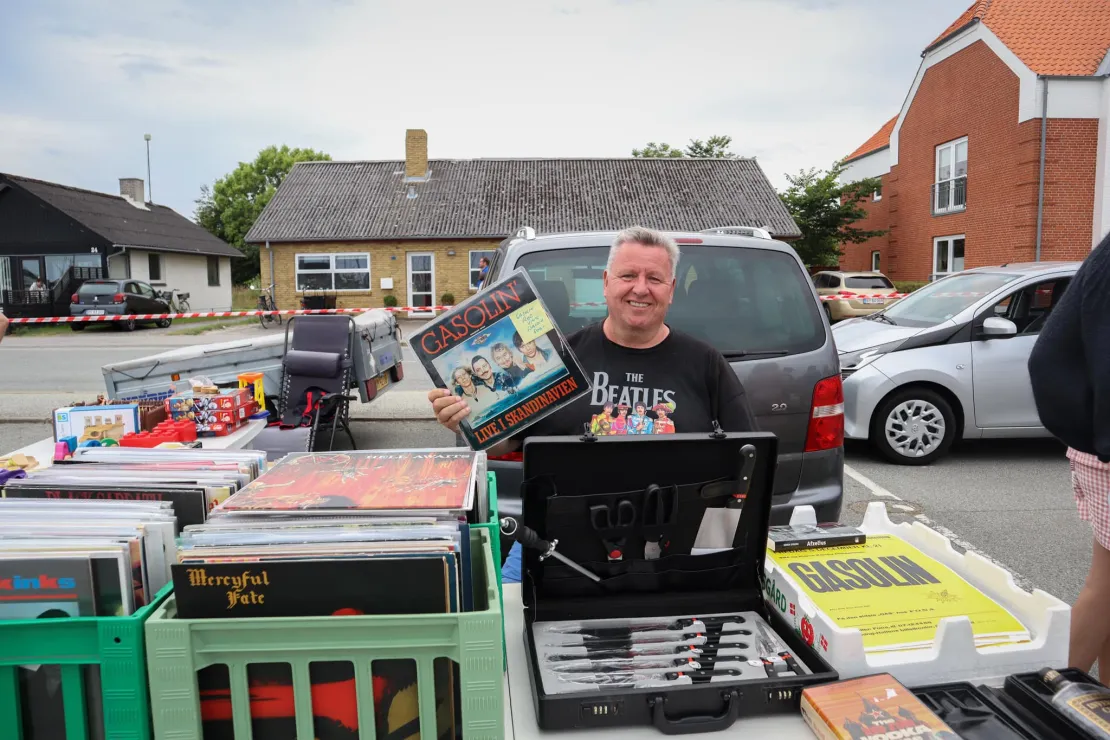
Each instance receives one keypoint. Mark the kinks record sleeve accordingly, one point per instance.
(501, 352)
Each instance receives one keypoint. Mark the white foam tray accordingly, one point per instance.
(953, 656)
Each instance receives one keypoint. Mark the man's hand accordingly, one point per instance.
(448, 408)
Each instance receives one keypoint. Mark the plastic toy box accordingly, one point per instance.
(953, 655)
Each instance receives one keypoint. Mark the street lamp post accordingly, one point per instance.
(149, 184)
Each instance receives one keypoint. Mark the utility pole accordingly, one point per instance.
(149, 184)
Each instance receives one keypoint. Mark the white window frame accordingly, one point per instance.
(876, 260)
(470, 262)
(408, 281)
(876, 196)
(155, 257)
(297, 271)
(937, 182)
(951, 247)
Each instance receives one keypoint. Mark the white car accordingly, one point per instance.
(949, 361)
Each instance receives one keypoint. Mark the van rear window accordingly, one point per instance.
(738, 300)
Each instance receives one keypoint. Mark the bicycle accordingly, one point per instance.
(266, 302)
(178, 302)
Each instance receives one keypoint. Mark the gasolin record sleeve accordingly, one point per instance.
(502, 353)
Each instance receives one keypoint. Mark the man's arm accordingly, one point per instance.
(3, 326)
(734, 412)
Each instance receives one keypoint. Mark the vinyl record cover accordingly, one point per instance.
(872, 707)
(190, 505)
(363, 480)
(501, 352)
(38, 588)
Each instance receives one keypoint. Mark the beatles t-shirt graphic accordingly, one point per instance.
(628, 414)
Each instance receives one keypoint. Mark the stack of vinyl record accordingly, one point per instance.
(95, 537)
(337, 534)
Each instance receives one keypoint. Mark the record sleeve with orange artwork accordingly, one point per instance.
(365, 480)
(870, 708)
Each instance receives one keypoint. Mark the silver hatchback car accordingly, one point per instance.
(949, 361)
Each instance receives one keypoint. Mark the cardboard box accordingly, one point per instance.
(96, 422)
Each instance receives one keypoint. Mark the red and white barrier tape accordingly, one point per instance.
(310, 312)
(214, 315)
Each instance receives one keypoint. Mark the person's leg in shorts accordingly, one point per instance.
(1090, 628)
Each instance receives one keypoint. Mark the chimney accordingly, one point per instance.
(416, 153)
(133, 188)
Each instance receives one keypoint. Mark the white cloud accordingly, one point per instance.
(795, 82)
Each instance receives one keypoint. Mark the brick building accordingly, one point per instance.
(416, 229)
(1000, 151)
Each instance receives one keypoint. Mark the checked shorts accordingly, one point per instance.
(1090, 481)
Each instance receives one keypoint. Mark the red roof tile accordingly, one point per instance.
(1052, 37)
(877, 141)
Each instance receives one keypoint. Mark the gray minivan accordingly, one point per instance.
(752, 299)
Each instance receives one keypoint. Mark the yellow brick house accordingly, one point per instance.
(417, 229)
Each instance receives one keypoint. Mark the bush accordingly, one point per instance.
(390, 301)
(447, 299)
(908, 286)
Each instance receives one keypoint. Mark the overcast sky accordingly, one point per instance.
(796, 83)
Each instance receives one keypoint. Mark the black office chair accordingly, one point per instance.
(315, 384)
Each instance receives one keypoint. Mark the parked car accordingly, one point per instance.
(949, 361)
(117, 297)
(751, 298)
(847, 295)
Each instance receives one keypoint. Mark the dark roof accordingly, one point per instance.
(492, 198)
(117, 220)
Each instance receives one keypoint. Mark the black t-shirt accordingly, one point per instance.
(680, 385)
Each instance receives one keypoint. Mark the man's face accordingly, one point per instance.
(482, 369)
(639, 287)
(503, 358)
(529, 349)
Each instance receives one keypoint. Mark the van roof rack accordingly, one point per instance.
(739, 231)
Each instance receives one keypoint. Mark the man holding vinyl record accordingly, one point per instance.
(637, 362)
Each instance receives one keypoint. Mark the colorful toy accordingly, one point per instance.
(97, 422)
(256, 382)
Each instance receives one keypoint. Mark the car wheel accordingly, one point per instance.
(76, 326)
(128, 325)
(163, 323)
(914, 427)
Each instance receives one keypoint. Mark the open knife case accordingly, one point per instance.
(673, 632)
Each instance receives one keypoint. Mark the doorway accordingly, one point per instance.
(422, 282)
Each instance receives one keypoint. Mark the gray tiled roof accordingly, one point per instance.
(112, 217)
(494, 197)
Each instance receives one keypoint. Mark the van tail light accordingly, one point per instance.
(398, 372)
(826, 421)
(118, 298)
(74, 298)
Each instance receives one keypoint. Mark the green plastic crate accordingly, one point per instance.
(115, 644)
(178, 648)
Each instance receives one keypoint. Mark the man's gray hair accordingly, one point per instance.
(649, 238)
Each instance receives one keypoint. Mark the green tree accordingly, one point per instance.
(713, 147)
(825, 209)
(657, 151)
(230, 207)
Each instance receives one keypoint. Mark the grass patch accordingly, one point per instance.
(243, 298)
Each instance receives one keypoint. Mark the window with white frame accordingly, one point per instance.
(948, 255)
(333, 271)
(950, 185)
(476, 267)
(875, 261)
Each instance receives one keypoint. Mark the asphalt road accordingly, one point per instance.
(1011, 501)
(72, 362)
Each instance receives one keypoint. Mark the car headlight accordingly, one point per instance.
(850, 362)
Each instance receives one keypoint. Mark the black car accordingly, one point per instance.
(117, 297)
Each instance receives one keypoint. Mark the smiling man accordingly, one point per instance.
(634, 358)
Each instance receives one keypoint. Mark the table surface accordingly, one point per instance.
(524, 716)
(43, 450)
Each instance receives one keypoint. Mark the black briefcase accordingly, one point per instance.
(670, 628)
